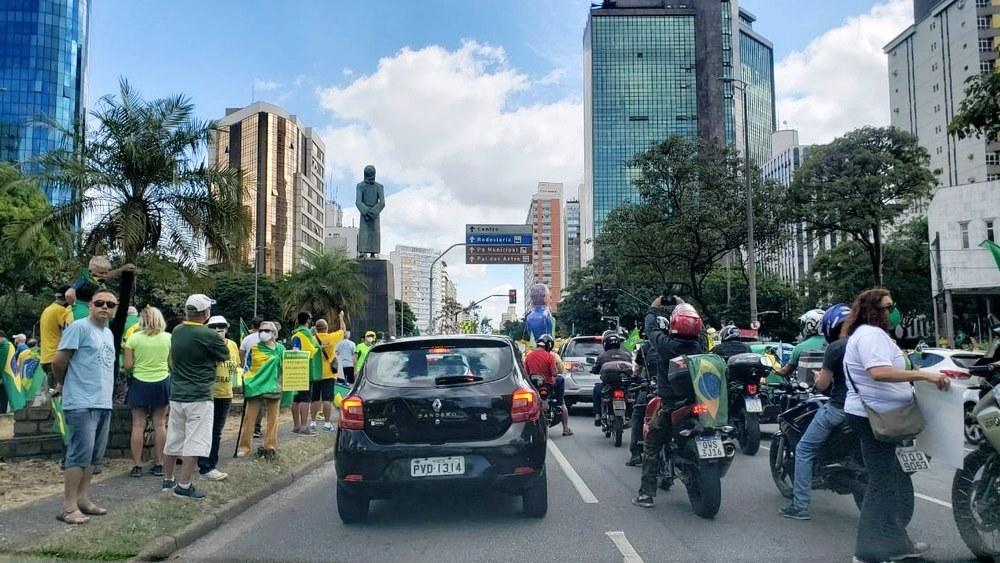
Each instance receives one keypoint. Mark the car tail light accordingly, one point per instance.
(525, 406)
(699, 410)
(352, 413)
(752, 388)
(618, 394)
(954, 374)
(524, 470)
(354, 477)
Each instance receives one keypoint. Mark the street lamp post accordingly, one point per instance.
(430, 315)
(751, 246)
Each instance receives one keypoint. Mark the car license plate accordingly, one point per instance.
(618, 405)
(433, 466)
(911, 459)
(710, 447)
(753, 404)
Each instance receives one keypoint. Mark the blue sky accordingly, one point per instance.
(463, 105)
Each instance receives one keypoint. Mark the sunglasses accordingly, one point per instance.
(266, 330)
(105, 304)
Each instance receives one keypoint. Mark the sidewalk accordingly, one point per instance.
(28, 523)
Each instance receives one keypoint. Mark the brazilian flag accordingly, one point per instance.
(632, 340)
(244, 331)
(708, 374)
(59, 420)
(23, 384)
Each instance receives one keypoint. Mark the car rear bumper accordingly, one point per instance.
(382, 470)
(580, 386)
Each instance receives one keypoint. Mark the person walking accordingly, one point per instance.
(322, 396)
(83, 370)
(147, 354)
(878, 380)
(345, 351)
(54, 320)
(222, 399)
(195, 351)
(262, 389)
(304, 340)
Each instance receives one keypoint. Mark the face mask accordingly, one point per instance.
(220, 331)
(267, 336)
(370, 340)
(895, 318)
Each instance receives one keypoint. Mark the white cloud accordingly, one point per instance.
(347, 72)
(554, 77)
(266, 85)
(840, 80)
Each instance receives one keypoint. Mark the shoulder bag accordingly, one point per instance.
(892, 426)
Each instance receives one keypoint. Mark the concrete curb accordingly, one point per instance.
(164, 546)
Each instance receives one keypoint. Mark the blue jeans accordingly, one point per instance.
(828, 418)
(88, 436)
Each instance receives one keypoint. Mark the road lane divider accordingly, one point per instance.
(585, 493)
(628, 552)
(932, 500)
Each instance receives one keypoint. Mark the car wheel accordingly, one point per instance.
(352, 508)
(973, 432)
(535, 500)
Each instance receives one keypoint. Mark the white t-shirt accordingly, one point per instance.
(870, 347)
(345, 353)
(249, 341)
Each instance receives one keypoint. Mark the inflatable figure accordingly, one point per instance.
(537, 318)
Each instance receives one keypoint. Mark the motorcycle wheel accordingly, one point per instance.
(618, 428)
(782, 465)
(750, 438)
(973, 432)
(705, 489)
(978, 518)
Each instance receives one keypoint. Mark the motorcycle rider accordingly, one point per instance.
(684, 338)
(613, 352)
(647, 365)
(542, 362)
(730, 344)
(828, 418)
(811, 340)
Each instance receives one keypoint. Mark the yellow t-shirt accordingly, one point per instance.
(55, 318)
(226, 372)
(328, 342)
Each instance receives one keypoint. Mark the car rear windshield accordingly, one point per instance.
(582, 348)
(421, 364)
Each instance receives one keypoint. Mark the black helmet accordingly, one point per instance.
(728, 333)
(545, 341)
(612, 341)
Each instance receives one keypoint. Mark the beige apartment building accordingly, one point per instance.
(545, 218)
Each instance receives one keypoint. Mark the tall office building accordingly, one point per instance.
(545, 218)
(949, 41)
(282, 162)
(571, 229)
(659, 68)
(43, 77)
(586, 196)
(412, 267)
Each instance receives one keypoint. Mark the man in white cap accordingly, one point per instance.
(195, 352)
(222, 397)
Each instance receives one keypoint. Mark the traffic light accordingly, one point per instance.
(512, 296)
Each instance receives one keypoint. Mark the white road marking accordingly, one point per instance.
(623, 545)
(763, 447)
(969, 449)
(585, 493)
(933, 500)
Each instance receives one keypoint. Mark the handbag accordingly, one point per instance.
(896, 425)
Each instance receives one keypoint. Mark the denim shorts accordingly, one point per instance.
(88, 436)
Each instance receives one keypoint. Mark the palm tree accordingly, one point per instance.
(326, 283)
(140, 188)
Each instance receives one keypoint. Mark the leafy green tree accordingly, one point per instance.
(486, 325)
(325, 284)
(140, 187)
(860, 184)
(234, 296)
(779, 302)
(409, 320)
(979, 113)
(513, 329)
(165, 283)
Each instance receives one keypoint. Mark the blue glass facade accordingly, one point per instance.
(757, 62)
(43, 69)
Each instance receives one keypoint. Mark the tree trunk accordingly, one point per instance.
(876, 253)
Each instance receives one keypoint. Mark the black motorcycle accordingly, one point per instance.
(838, 467)
(617, 399)
(550, 406)
(744, 372)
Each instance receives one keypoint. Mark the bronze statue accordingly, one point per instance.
(370, 202)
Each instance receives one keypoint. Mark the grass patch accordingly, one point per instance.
(124, 532)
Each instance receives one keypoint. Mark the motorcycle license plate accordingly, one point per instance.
(912, 459)
(434, 466)
(753, 404)
(710, 447)
(618, 405)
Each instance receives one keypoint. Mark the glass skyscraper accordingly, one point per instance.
(43, 70)
(655, 69)
(757, 60)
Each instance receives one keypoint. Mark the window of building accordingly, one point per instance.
(993, 158)
(935, 88)
(985, 67)
(934, 46)
(963, 231)
(982, 3)
(982, 22)
(989, 231)
(933, 67)
(985, 44)
(992, 177)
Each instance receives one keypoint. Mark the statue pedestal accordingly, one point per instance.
(379, 312)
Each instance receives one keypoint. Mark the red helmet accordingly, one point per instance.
(685, 322)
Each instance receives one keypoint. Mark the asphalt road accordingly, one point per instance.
(590, 518)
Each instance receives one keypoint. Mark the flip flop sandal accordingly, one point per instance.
(94, 511)
(567, 432)
(72, 521)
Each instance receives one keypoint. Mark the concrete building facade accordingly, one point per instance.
(571, 229)
(412, 267)
(545, 218)
(336, 236)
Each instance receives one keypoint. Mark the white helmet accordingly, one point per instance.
(809, 322)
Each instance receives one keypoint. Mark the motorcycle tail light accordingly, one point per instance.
(752, 388)
(525, 406)
(618, 394)
(698, 410)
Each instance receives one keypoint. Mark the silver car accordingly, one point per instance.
(579, 355)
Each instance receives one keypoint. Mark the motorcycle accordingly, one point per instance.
(617, 400)
(550, 406)
(744, 372)
(838, 467)
(975, 489)
(701, 448)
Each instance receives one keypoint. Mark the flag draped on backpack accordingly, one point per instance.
(24, 383)
(308, 343)
(632, 340)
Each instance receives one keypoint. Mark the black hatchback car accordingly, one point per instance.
(440, 412)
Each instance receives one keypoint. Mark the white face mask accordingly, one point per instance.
(267, 336)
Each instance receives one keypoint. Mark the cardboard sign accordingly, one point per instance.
(295, 375)
(944, 421)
